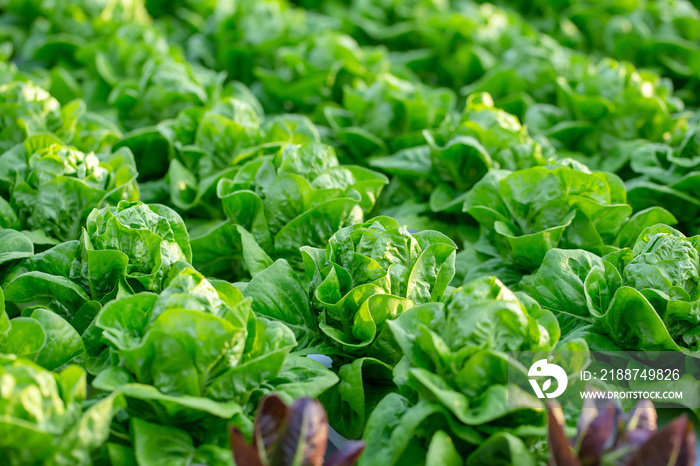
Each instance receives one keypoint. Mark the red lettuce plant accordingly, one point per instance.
(609, 436)
(294, 435)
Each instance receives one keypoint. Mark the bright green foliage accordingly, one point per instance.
(641, 298)
(61, 181)
(372, 272)
(42, 418)
(145, 240)
(526, 213)
(194, 356)
(451, 159)
(124, 248)
(455, 360)
(199, 199)
(278, 203)
(368, 275)
(662, 36)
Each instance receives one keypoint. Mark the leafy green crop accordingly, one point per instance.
(61, 181)
(367, 275)
(278, 203)
(208, 205)
(371, 272)
(455, 360)
(525, 214)
(194, 357)
(42, 418)
(652, 35)
(636, 298)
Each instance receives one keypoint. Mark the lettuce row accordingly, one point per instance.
(650, 36)
(561, 111)
(560, 94)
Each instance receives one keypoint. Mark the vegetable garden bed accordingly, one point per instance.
(230, 231)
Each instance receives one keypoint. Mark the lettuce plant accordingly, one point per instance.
(670, 175)
(206, 145)
(318, 67)
(377, 103)
(287, 435)
(592, 102)
(188, 153)
(278, 203)
(27, 109)
(31, 116)
(41, 336)
(643, 298)
(43, 421)
(142, 241)
(526, 213)
(194, 357)
(124, 248)
(608, 435)
(453, 157)
(455, 361)
(367, 275)
(61, 181)
(387, 115)
(209, 140)
(166, 87)
(254, 31)
(43, 179)
(119, 57)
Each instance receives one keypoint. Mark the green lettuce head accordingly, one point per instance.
(525, 213)
(196, 352)
(141, 241)
(43, 421)
(298, 196)
(165, 86)
(436, 176)
(643, 298)
(454, 391)
(25, 110)
(215, 143)
(60, 182)
(40, 336)
(664, 259)
(123, 249)
(479, 321)
(371, 272)
(664, 266)
(368, 274)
